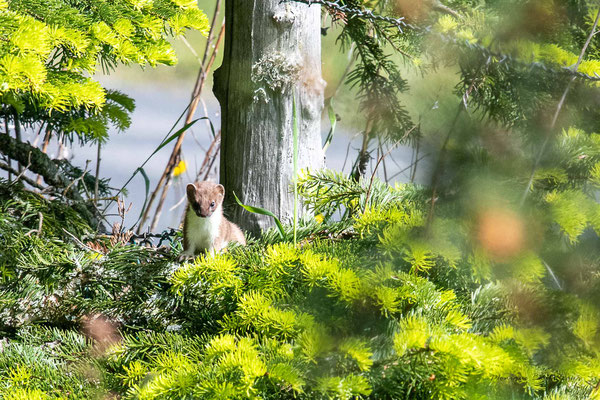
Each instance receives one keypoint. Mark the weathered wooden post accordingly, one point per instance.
(272, 52)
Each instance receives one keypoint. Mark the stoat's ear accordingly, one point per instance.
(221, 190)
(190, 189)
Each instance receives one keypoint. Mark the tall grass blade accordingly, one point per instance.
(172, 137)
(147, 184)
(332, 121)
(262, 211)
(295, 167)
(165, 141)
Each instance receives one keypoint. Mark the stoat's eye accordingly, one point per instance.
(212, 204)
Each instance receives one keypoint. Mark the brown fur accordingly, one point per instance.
(204, 211)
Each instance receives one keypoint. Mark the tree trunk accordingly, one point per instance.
(272, 52)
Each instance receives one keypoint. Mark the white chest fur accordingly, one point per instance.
(202, 232)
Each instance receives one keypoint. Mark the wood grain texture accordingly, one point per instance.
(272, 50)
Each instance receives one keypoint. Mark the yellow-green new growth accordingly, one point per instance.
(50, 47)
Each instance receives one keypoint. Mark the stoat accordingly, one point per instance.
(204, 227)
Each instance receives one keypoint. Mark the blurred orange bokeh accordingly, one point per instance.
(103, 331)
(501, 233)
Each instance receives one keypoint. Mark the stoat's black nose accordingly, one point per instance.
(203, 214)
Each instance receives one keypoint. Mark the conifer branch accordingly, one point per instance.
(400, 23)
(42, 164)
(559, 107)
(24, 178)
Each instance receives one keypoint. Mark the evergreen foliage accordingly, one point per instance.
(481, 286)
(50, 48)
(386, 313)
(48, 278)
(376, 75)
(49, 52)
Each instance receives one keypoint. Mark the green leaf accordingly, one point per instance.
(212, 128)
(163, 144)
(332, 121)
(174, 136)
(295, 172)
(147, 183)
(262, 211)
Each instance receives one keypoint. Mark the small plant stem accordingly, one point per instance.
(408, 166)
(351, 60)
(363, 157)
(559, 107)
(441, 157)
(8, 161)
(176, 153)
(438, 6)
(295, 162)
(440, 162)
(413, 172)
(161, 202)
(11, 170)
(17, 135)
(97, 173)
(165, 179)
(209, 158)
(37, 136)
(380, 159)
(44, 150)
(385, 176)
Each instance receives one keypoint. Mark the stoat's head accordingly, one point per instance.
(205, 197)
